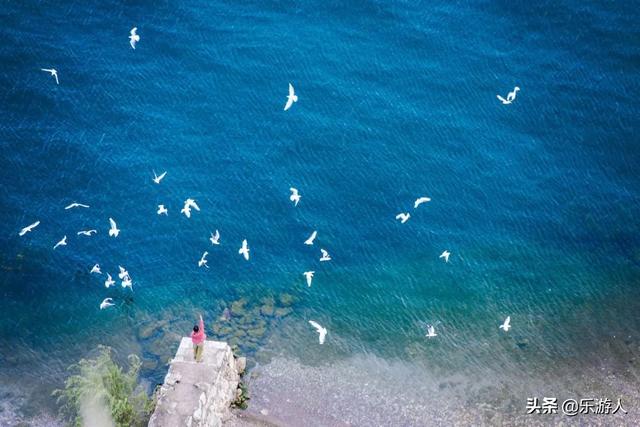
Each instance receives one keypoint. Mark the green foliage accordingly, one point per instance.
(243, 397)
(100, 383)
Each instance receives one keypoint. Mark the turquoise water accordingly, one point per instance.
(537, 201)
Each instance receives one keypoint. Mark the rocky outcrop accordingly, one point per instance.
(198, 394)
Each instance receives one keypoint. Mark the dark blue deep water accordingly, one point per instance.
(538, 201)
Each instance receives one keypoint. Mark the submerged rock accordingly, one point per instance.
(267, 310)
(237, 307)
(286, 299)
(283, 312)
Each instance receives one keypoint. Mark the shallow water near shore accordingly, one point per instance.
(536, 201)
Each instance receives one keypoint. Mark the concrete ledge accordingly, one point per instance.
(197, 393)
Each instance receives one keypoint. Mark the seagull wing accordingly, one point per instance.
(192, 203)
(321, 331)
(291, 98)
(420, 201)
(288, 104)
(316, 325)
(504, 101)
(113, 223)
(311, 238)
(133, 31)
(28, 228)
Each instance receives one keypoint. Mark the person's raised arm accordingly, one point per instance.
(201, 325)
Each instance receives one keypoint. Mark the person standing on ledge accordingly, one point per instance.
(197, 338)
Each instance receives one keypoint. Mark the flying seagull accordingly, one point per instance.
(87, 232)
(203, 260)
(126, 283)
(511, 96)
(123, 273)
(157, 178)
(95, 269)
(188, 204)
(445, 255)
(295, 196)
(62, 242)
(431, 331)
(325, 255)
(244, 250)
(133, 37)
(291, 98)
(309, 276)
(106, 303)
(162, 210)
(420, 200)
(311, 238)
(109, 282)
(53, 72)
(113, 231)
(403, 217)
(75, 205)
(126, 279)
(215, 238)
(507, 324)
(321, 331)
(28, 228)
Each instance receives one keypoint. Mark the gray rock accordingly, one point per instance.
(197, 394)
(241, 364)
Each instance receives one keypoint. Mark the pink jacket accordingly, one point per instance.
(199, 337)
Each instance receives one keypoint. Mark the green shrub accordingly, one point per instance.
(100, 385)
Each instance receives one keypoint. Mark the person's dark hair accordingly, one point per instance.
(196, 328)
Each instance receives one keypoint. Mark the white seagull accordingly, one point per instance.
(95, 269)
(62, 242)
(321, 331)
(431, 331)
(311, 238)
(75, 205)
(325, 255)
(133, 37)
(188, 204)
(106, 303)
(291, 98)
(445, 255)
(109, 282)
(203, 260)
(403, 217)
(53, 72)
(215, 238)
(309, 276)
(507, 324)
(123, 273)
(244, 250)
(28, 228)
(127, 283)
(420, 200)
(157, 178)
(162, 210)
(295, 196)
(87, 232)
(113, 231)
(511, 96)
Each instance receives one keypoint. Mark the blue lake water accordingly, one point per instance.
(538, 201)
